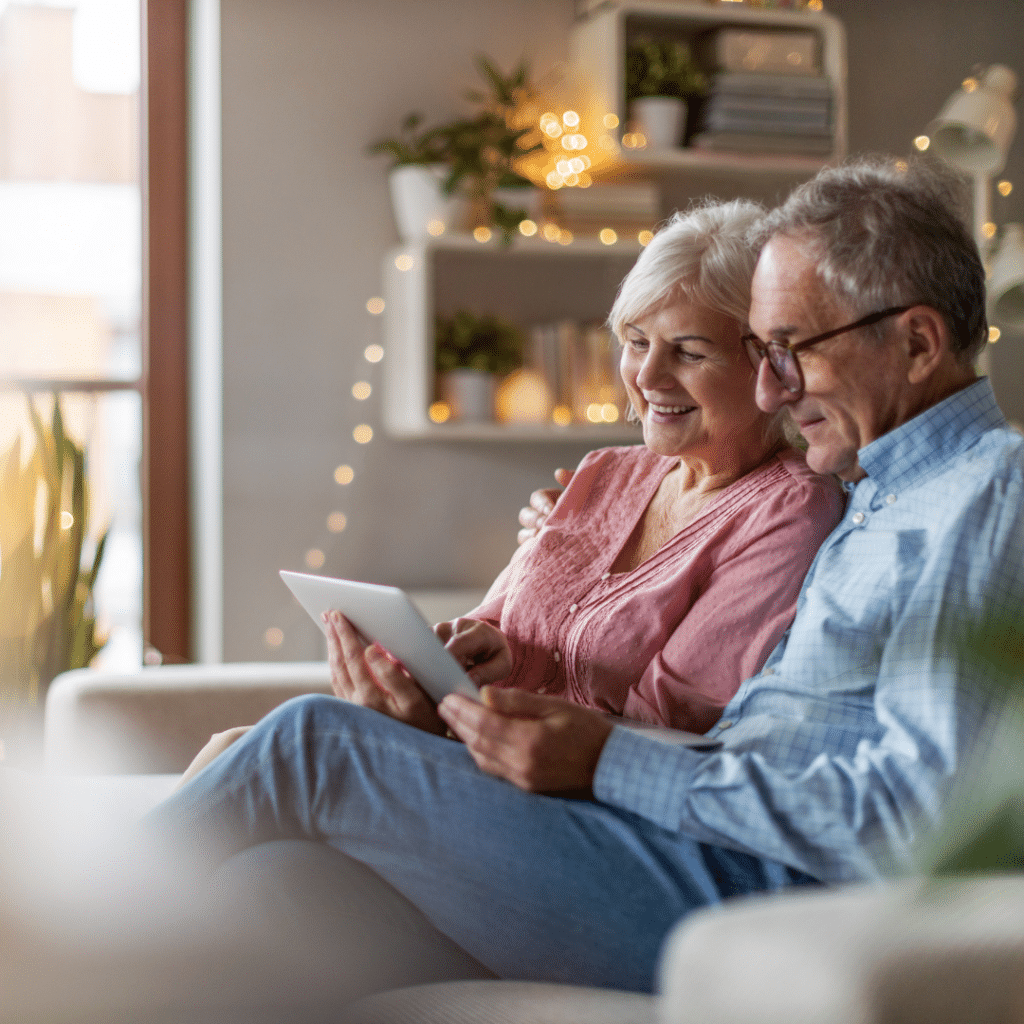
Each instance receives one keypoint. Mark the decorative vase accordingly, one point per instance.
(661, 120)
(420, 206)
(469, 395)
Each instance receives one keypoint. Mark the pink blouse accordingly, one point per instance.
(670, 641)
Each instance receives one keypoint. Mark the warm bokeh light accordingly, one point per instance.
(902, 166)
(527, 227)
(969, 84)
(363, 434)
(435, 228)
(337, 521)
(565, 237)
(610, 121)
(67, 520)
(988, 229)
(375, 306)
(594, 412)
(523, 397)
(404, 261)
(551, 231)
(361, 390)
(344, 475)
(1005, 187)
(994, 334)
(922, 142)
(609, 412)
(561, 415)
(439, 412)
(608, 236)
(570, 119)
(482, 233)
(315, 558)
(373, 353)
(273, 637)
(645, 237)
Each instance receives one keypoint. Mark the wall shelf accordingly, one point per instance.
(598, 49)
(530, 281)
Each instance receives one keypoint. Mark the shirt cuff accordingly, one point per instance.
(646, 776)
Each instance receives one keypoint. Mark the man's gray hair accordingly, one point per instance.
(885, 232)
(703, 256)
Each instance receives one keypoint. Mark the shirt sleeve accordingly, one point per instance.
(742, 610)
(847, 811)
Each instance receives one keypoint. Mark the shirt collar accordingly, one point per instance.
(898, 458)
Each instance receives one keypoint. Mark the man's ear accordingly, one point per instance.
(926, 342)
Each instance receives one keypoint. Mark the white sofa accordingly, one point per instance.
(864, 955)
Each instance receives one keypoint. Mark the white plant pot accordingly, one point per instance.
(421, 209)
(661, 119)
(469, 394)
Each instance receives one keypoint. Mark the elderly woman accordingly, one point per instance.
(667, 572)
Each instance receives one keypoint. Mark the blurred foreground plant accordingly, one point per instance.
(47, 622)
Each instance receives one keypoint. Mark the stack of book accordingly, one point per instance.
(627, 209)
(767, 94)
(579, 363)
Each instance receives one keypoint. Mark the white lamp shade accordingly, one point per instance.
(1006, 285)
(974, 129)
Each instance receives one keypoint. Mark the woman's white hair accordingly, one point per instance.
(702, 255)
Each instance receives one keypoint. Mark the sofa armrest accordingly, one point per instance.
(157, 719)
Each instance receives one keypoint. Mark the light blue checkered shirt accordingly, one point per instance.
(843, 748)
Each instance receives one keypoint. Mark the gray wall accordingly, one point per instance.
(306, 84)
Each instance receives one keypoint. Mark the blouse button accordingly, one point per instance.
(542, 689)
(890, 499)
(858, 517)
(573, 607)
(557, 656)
(606, 576)
(725, 724)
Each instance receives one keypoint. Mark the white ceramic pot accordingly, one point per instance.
(661, 119)
(469, 394)
(421, 209)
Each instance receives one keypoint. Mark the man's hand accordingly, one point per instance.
(368, 676)
(542, 503)
(538, 743)
(480, 648)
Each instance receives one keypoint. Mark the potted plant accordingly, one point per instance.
(472, 158)
(660, 76)
(421, 204)
(470, 353)
(47, 622)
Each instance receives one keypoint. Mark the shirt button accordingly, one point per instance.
(573, 607)
(858, 517)
(606, 575)
(890, 499)
(557, 656)
(725, 724)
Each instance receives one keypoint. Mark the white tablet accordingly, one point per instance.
(386, 616)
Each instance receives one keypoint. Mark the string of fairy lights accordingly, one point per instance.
(336, 521)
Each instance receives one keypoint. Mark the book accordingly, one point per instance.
(760, 142)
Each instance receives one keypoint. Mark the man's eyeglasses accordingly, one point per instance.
(781, 355)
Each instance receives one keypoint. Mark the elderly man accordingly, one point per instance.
(868, 311)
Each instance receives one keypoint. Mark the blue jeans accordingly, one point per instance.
(534, 887)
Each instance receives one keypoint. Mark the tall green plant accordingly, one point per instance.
(47, 622)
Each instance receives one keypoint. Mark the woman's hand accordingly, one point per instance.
(480, 648)
(218, 743)
(370, 677)
(540, 744)
(542, 504)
